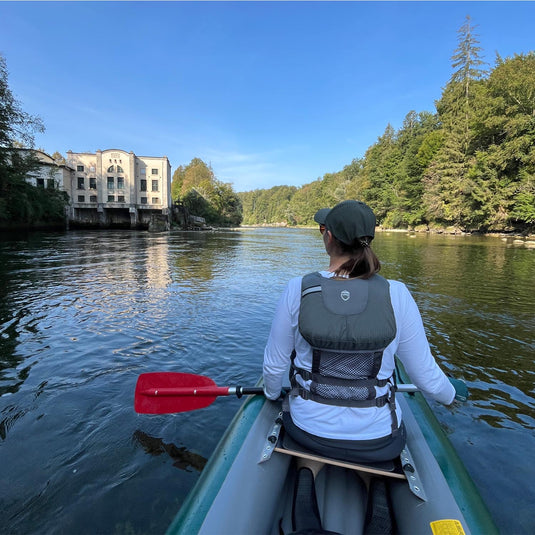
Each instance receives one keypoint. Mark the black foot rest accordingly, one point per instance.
(305, 512)
(306, 518)
(288, 446)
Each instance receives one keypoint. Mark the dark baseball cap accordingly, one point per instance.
(348, 220)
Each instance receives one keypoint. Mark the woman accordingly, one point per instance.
(338, 330)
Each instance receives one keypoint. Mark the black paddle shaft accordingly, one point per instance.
(241, 391)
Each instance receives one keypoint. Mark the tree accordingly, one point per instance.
(381, 174)
(450, 197)
(20, 202)
(59, 158)
(198, 188)
(467, 57)
(15, 124)
(16, 131)
(455, 107)
(506, 129)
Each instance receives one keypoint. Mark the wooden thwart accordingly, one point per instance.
(291, 448)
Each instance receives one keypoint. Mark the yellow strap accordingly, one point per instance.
(447, 527)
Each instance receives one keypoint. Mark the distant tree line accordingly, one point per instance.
(20, 202)
(470, 165)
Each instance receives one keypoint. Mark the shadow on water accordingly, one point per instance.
(182, 458)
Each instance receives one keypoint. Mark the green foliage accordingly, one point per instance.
(197, 187)
(268, 206)
(176, 183)
(15, 124)
(36, 205)
(467, 56)
(524, 201)
(21, 202)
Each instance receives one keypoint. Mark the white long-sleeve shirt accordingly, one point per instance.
(351, 423)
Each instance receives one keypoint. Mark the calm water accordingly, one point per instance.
(83, 314)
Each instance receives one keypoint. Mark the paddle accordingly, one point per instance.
(169, 392)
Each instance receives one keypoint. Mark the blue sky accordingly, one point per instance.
(268, 93)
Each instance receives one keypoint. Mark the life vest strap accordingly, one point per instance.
(336, 381)
(380, 401)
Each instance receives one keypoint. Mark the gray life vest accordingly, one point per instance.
(348, 323)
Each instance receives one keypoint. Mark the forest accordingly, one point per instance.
(468, 166)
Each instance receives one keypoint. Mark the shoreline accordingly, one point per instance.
(450, 231)
(519, 238)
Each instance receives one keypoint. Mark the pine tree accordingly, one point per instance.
(449, 185)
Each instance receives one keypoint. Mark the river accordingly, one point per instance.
(82, 314)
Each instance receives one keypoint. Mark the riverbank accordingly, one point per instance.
(510, 237)
(454, 231)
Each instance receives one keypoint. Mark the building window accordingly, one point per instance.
(154, 185)
(143, 185)
(143, 200)
(110, 169)
(81, 182)
(155, 200)
(111, 198)
(92, 183)
(143, 171)
(120, 169)
(120, 198)
(50, 183)
(80, 168)
(81, 198)
(93, 198)
(92, 168)
(154, 171)
(120, 182)
(111, 182)
(41, 182)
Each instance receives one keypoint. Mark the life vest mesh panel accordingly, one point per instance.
(348, 366)
(355, 393)
(354, 365)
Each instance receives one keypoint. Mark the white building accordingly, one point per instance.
(50, 174)
(114, 187)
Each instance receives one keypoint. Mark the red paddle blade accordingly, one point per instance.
(168, 392)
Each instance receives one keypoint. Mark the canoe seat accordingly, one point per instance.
(288, 446)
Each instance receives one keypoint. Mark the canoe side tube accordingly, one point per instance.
(225, 484)
(466, 494)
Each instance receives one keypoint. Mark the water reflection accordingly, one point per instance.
(182, 458)
(200, 256)
(478, 311)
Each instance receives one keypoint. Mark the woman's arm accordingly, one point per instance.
(414, 351)
(281, 341)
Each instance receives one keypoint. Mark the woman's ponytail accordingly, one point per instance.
(363, 262)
